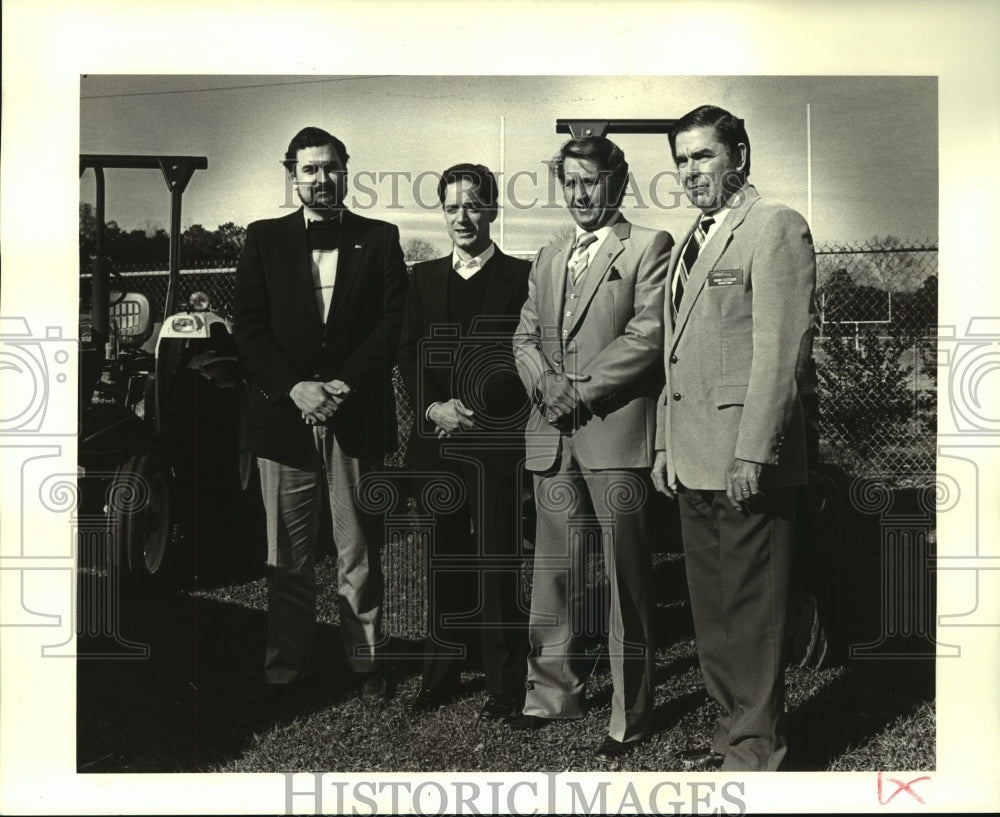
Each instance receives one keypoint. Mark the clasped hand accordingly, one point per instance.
(450, 417)
(318, 401)
(561, 400)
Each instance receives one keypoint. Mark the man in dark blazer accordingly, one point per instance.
(456, 360)
(730, 435)
(318, 309)
(588, 350)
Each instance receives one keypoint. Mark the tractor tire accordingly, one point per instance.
(810, 647)
(143, 529)
(246, 461)
(824, 584)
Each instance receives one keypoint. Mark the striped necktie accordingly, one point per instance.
(578, 261)
(694, 245)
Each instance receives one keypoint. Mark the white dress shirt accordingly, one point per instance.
(324, 272)
(467, 266)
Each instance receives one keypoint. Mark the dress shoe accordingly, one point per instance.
(498, 707)
(610, 750)
(270, 697)
(373, 686)
(703, 760)
(525, 723)
(428, 700)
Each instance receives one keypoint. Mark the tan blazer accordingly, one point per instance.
(741, 340)
(615, 336)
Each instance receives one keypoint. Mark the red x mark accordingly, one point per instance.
(900, 786)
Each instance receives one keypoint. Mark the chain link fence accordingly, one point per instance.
(217, 282)
(876, 371)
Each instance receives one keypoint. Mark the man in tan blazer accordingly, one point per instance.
(730, 437)
(588, 352)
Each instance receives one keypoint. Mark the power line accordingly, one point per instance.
(235, 87)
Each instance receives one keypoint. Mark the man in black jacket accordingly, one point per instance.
(318, 309)
(457, 363)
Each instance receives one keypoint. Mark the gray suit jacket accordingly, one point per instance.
(615, 336)
(735, 357)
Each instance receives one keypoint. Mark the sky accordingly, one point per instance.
(874, 145)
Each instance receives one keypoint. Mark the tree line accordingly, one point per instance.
(151, 248)
(200, 247)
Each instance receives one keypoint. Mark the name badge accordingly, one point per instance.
(725, 277)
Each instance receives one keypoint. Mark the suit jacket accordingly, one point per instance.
(615, 336)
(438, 364)
(283, 340)
(740, 344)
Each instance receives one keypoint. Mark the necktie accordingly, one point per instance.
(323, 235)
(694, 245)
(578, 261)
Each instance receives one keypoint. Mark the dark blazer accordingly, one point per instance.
(282, 339)
(437, 364)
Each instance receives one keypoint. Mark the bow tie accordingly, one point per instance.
(323, 235)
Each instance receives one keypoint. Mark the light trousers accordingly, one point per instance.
(558, 664)
(293, 500)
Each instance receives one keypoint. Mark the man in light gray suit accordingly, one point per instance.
(730, 433)
(588, 350)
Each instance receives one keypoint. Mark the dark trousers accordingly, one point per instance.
(739, 567)
(474, 578)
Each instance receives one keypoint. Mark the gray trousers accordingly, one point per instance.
(292, 503)
(558, 664)
(739, 567)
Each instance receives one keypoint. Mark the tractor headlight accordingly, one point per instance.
(186, 324)
(198, 302)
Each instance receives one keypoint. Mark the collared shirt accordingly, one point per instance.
(602, 233)
(324, 270)
(465, 265)
(719, 218)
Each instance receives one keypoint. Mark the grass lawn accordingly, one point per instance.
(186, 708)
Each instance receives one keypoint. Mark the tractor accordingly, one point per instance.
(162, 403)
